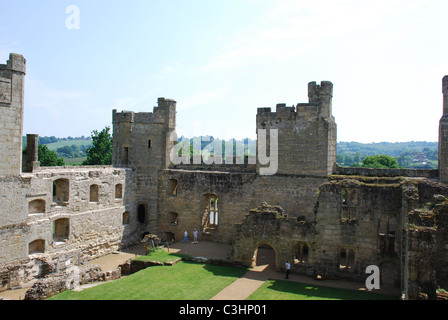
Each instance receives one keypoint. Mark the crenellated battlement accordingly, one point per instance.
(318, 106)
(16, 63)
(164, 113)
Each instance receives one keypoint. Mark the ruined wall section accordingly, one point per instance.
(358, 224)
(12, 81)
(306, 133)
(269, 225)
(63, 214)
(183, 196)
(142, 142)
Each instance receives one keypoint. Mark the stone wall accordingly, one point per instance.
(269, 225)
(185, 208)
(374, 172)
(72, 225)
(12, 77)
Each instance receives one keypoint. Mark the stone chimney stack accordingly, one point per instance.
(443, 135)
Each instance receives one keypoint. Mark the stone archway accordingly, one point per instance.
(265, 257)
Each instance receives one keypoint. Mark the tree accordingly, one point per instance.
(382, 161)
(100, 153)
(47, 157)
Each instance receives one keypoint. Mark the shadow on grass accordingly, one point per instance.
(317, 292)
(225, 271)
(217, 270)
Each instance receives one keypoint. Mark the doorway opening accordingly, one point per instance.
(265, 258)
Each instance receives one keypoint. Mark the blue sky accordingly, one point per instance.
(221, 60)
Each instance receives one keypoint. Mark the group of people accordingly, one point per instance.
(195, 236)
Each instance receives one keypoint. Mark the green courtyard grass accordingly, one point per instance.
(160, 255)
(182, 281)
(199, 281)
(288, 290)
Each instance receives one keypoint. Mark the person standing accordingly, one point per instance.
(186, 236)
(195, 236)
(288, 268)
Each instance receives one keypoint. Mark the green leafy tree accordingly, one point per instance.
(382, 161)
(100, 153)
(48, 158)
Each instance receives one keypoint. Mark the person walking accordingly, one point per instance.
(288, 268)
(186, 236)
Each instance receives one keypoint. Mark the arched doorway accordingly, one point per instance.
(265, 257)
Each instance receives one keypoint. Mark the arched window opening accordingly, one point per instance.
(37, 246)
(174, 218)
(36, 206)
(126, 218)
(172, 187)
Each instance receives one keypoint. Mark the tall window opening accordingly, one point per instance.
(302, 251)
(94, 193)
(346, 259)
(141, 213)
(172, 186)
(211, 214)
(174, 218)
(119, 191)
(126, 155)
(126, 217)
(61, 230)
(61, 191)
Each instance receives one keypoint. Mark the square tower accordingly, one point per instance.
(306, 133)
(12, 78)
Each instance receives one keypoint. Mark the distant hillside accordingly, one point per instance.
(413, 154)
(72, 150)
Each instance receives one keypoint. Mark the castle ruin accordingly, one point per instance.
(330, 221)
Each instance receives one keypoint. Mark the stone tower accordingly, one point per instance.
(443, 135)
(142, 142)
(12, 79)
(306, 133)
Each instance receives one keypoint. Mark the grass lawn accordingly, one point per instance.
(183, 281)
(161, 256)
(286, 290)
